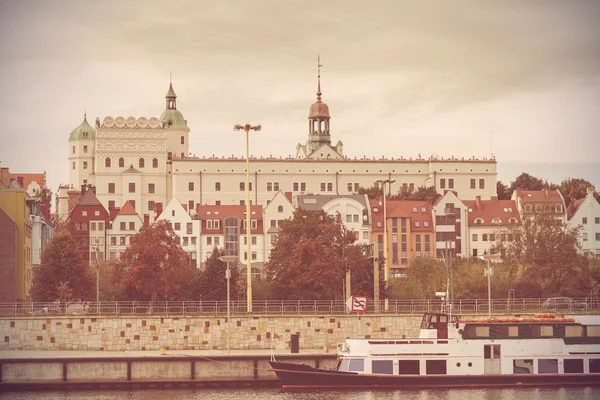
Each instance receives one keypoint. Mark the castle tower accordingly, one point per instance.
(318, 118)
(176, 126)
(81, 154)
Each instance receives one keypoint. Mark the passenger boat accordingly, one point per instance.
(542, 350)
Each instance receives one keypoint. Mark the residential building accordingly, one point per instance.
(124, 223)
(451, 228)
(32, 183)
(488, 222)
(537, 201)
(585, 213)
(278, 209)
(187, 229)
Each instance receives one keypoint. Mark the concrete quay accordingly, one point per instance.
(62, 370)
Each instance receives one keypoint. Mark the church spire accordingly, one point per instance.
(171, 97)
(319, 79)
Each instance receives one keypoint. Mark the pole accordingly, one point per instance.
(376, 275)
(228, 276)
(386, 271)
(97, 281)
(248, 226)
(488, 273)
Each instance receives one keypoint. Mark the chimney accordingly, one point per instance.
(547, 192)
(5, 176)
(146, 219)
(93, 189)
(83, 189)
(478, 202)
(590, 189)
(158, 209)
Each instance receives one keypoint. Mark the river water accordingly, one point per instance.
(579, 393)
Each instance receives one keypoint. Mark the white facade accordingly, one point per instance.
(187, 228)
(586, 214)
(450, 225)
(279, 208)
(126, 224)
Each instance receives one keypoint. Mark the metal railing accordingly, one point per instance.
(289, 307)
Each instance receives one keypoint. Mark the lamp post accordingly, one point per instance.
(97, 280)
(386, 269)
(489, 271)
(247, 128)
(228, 277)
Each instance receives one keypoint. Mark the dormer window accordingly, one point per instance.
(528, 208)
(414, 209)
(85, 134)
(496, 221)
(558, 208)
(478, 221)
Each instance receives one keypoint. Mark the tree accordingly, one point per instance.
(154, 266)
(311, 256)
(544, 250)
(61, 267)
(372, 193)
(503, 191)
(526, 182)
(575, 189)
(423, 193)
(212, 282)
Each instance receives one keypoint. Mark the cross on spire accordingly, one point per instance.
(319, 65)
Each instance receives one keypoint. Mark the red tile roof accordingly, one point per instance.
(28, 178)
(212, 212)
(487, 210)
(377, 216)
(539, 196)
(406, 209)
(127, 209)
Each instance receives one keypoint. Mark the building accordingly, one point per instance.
(538, 201)
(278, 209)
(487, 219)
(585, 213)
(146, 161)
(451, 228)
(186, 228)
(32, 183)
(88, 211)
(124, 223)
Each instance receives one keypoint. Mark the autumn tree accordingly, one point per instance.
(212, 282)
(311, 256)
(526, 182)
(373, 192)
(423, 193)
(503, 191)
(62, 271)
(575, 189)
(154, 266)
(546, 251)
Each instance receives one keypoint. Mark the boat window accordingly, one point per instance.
(542, 331)
(344, 365)
(382, 367)
(513, 331)
(488, 349)
(522, 366)
(357, 365)
(435, 367)
(574, 366)
(547, 366)
(595, 366)
(482, 331)
(573, 331)
(593, 330)
(505, 331)
(408, 367)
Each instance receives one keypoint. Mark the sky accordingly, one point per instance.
(519, 79)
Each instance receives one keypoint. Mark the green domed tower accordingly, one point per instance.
(177, 129)
(81, 154)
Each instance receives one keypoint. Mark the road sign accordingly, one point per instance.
(357, 303)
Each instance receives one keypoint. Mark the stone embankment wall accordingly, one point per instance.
(198, 333)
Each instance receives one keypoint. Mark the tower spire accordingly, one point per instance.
(84, 112)
(319, 78)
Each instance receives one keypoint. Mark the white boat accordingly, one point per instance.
(542, 350)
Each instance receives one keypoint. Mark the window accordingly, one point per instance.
(597, 220)
(242, 186)
(107, 162)
(217, 186)
(558, 208)
(84, 213)
(151, 188)
(189, 228)
(131, 187)
(585, 236)
(280, 209)
(295, 187)
(356, 187)
(523, 366)
(177, 226)
(451, 183)
(193, 240)
(150, 205)
(92, 226)
(217, 202)
(473, 182)
(121, 162)
(584, 220)
(474, 237)
(273, 223)
(182, 140)
(574, 331)
(111, 188)
(382, 367)
(275, 186)
(349, 187)
(85, 149)
(141, 163)
(73, 149)
(172, 213)
(216, 240)
(303, 186)
(435, 367)
(482, 184)
(209, 224)
(253, 224)
(113, 241)
(595, 366)
(417, 224)
(408, 367)
(122, 240)
(484, 237)
(111, 204)
(323, 186)
(574, 366)
(356, 365)
(209, 241)
(253, 240)
(73, 164)
(269, 186)
(155, 163)
(597, 236)
(253, 255)
(442, 183)
(474, 252)
(123, 226)
(217, 223)
(100, 226)
(426, 224)
(185, 241)
(85, 165)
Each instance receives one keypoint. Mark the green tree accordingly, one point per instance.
(212, 282)
(527, 182)
(423, 193)
(61, 266)
(311, 256)
(575, 189)
(503, 191)
(154, 266)
(374, 192)
(546, 251)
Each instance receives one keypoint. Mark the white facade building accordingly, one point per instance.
(586, 214)
(124, 225)
(450, 226)
(279, 208)
(186, 228)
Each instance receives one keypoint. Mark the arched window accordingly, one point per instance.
(280, 209)
(479, 221)
(107, 162)
(496, 221)
(155, 163)
(121, 162)
(141, 163)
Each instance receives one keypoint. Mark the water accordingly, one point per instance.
(578, 393)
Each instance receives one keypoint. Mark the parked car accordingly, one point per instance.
(563, 303)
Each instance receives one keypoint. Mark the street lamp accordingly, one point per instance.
(489, 271)
(247, 128)
(97, 280)
(386, 270)
(228, 277)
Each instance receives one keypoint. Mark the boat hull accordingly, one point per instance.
(301, 377)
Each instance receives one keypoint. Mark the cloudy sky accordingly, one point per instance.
(520, 78)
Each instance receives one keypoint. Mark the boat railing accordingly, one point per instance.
(287, 307)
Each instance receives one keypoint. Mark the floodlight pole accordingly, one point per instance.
(386, 268)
